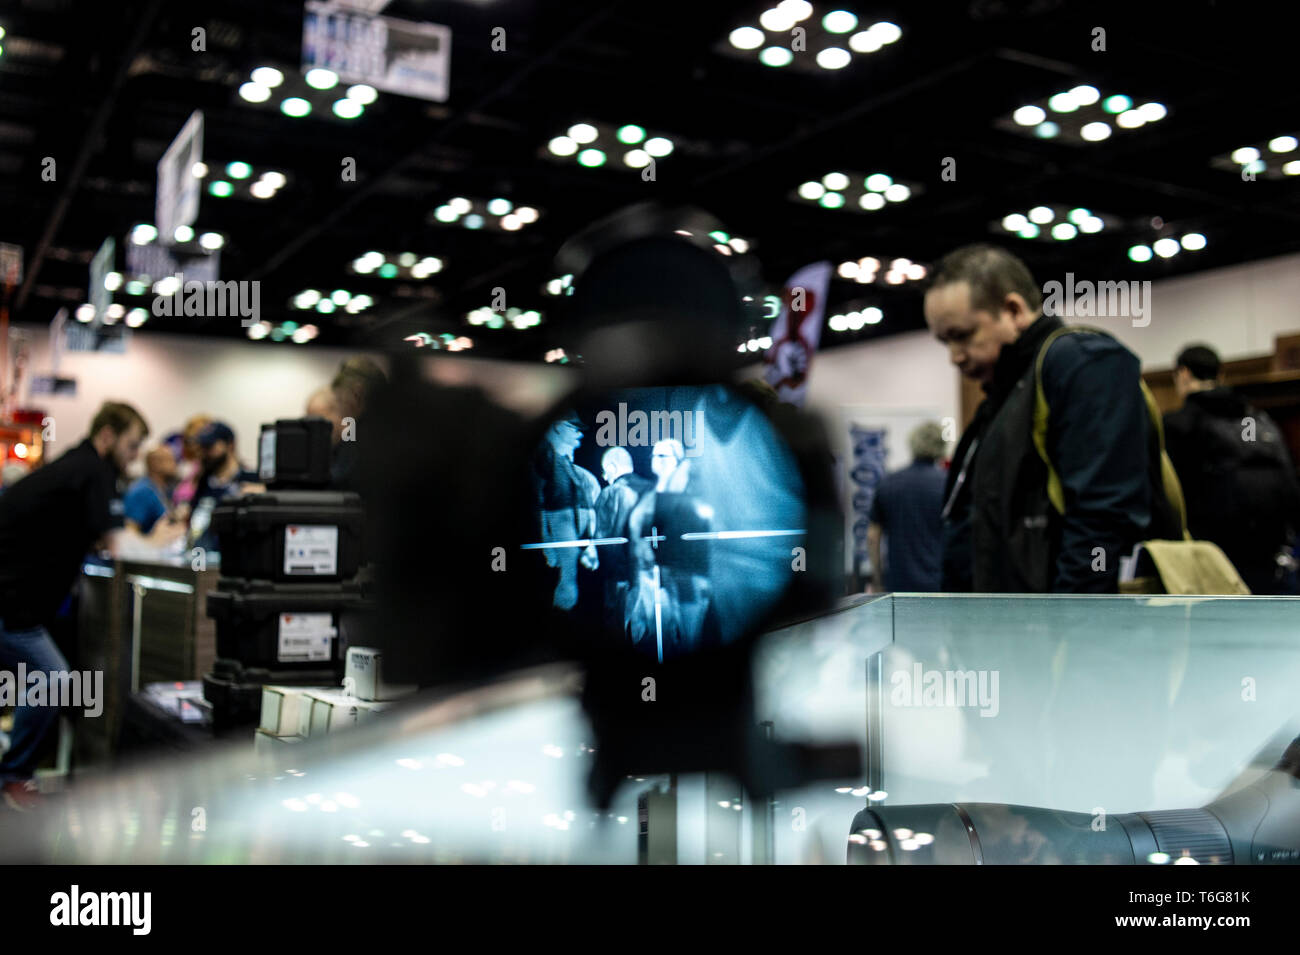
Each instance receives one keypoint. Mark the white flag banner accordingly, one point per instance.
(797, 331)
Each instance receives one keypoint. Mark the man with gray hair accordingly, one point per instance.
(907, 514)
(624, 488)
(1058, 475)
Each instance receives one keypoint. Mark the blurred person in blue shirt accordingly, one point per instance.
(149, 499)
(907, 513)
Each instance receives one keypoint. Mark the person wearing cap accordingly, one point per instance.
(566, 498)
(221, 476)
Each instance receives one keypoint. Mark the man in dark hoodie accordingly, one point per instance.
(1237, 477)
(1001, 531)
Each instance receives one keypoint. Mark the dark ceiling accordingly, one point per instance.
(104, 87)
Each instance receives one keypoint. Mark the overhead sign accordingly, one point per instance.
(100, 295)
(398, 56)
(54, 385)
(156, 262)
(178, 189)
(102, 338)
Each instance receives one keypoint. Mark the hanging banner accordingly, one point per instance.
(797, 332)
(178, 188)
(398, 56)
(100, 295)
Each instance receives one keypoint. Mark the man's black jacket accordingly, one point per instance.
(1001, 532)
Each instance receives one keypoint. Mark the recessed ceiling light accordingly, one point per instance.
(777, 20)
(267, 76)
(1063, 103)
(776, 56)
(1153, 112)
(322, 79)
(838, 21)
(885, 31)
(562, 146)
(1095, 132)
(1085, 95)
(747, 38)
(254, 92)
(583, 133)
(363, 94)
(834, 58)
(1029, 115)
(865, 42)
(1282, 144)
(658, 146)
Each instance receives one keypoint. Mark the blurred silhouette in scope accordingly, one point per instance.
(495, 545)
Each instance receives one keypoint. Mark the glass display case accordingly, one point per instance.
(1095, 705)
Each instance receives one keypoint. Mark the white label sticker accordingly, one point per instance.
(311, 549)
(306, 637)
(266, 463)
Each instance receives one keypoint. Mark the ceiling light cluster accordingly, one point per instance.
(725, 244)
(558, 356)
(854, 191)
(1081, 115)
(1167, 247)
(560, 286)
(237, 179)
(855, 320)
(1052, 223)
(756, 344)
(867, 270)
(146, 234)
(1275, 158)
(134, 318)
(311, 298)
(518, 318)
(592, 144)
(444, 342)
(829, 41)
(315, 92)
(298, 334)
(496, 214)
(393, 265)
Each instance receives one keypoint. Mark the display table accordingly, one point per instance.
(141, 622)
(1119, 703)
